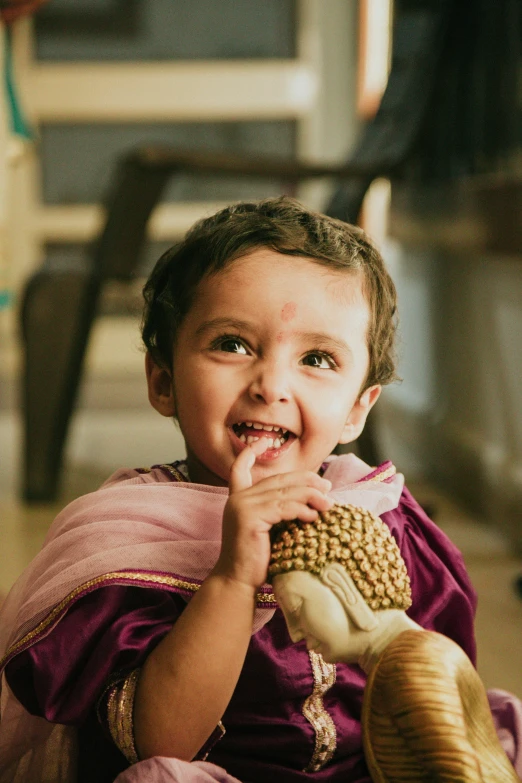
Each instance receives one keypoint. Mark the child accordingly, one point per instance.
(144, 628)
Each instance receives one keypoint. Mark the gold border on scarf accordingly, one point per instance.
(316, 714)
(106, 579)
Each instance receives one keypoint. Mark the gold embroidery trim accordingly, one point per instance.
(174, 472)
(120, 717)
(120, 709)
(221, 731)
(54, 614)
(388, 473)
(316, 714)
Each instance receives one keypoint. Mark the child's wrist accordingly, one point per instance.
(231, 584)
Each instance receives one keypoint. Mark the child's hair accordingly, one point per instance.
(286, 226)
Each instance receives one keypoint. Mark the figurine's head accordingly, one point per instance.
(334, 577)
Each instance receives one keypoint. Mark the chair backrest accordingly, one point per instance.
(141, 94)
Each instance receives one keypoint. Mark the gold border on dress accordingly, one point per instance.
(117, 577)
(316, 714)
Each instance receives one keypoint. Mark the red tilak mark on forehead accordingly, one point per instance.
(288, 312)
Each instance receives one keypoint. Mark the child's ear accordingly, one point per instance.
(159, 382)
(357, 416)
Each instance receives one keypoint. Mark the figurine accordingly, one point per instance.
(343, 587)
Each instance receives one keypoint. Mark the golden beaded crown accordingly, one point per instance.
(354, 538)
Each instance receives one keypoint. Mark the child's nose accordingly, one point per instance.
(270, 383)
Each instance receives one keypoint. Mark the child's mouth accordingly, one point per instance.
(275, 436)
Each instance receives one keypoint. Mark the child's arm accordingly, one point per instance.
(187, 681)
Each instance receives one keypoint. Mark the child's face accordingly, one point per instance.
(273, 347)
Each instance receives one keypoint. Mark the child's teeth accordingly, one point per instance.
(271, 443)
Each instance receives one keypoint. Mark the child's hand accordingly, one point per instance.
(251, 511)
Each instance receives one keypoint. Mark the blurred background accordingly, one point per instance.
(405, 116)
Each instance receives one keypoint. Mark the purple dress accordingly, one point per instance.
(285, 709)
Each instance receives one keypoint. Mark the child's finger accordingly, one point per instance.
(295, 478)
(241, 470)
(293, 509)
(278, 504)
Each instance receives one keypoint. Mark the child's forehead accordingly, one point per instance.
(270, 267)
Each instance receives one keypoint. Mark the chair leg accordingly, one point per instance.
(57, 315)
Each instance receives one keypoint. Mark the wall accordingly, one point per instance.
(456, 416)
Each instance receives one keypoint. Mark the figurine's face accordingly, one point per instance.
(314, 613)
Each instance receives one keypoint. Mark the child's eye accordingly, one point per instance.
(323, 361)
(230, 345)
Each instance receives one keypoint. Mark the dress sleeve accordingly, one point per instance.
(103, 637)
(90, 663)
(116, 714)
(443, 597)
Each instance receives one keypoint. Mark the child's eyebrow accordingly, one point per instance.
(222, 323)
(320, 339)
